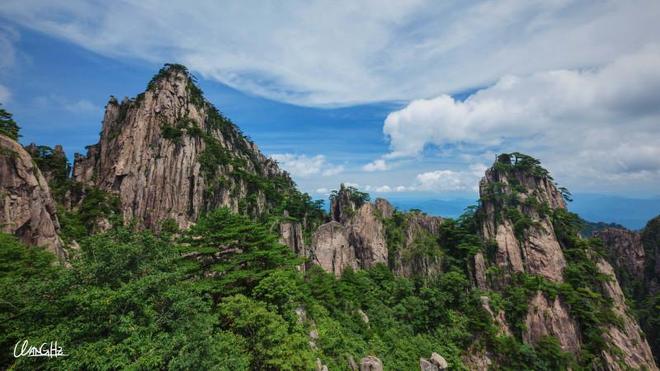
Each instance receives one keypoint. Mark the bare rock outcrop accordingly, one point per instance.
(626, 251)
(384, 207)
(354, 238)
(513, 204)
(291, 234)
(169, 154)
(366, 235)
(371, 363)
(517, 196)
(26, 206)
(635, 352)
(331, 250)
(414, 258)
(518, 201)
(550, 317)
(435, 363)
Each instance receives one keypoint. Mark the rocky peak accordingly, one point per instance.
(517, 198)
(345, 202)
(170, 154)
(26, 206)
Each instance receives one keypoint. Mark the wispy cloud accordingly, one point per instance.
(346, 52)
(304, 166)
(5, 94)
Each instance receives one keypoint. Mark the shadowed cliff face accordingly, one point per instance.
(520, 208)
(634, 260)
(170, 154)
(26, 206)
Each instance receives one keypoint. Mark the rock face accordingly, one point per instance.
(291, 234)
(331, 250)
(547, 317)
(26, 206)
(170, 154)
(539, 252)
(366, 234)
(412, 259)
(511, 198)
(354, 238)
(635, 351)
(371, 363)
(626, 251)
(435, 363)
(518, 199)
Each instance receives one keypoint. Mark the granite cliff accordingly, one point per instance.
(27, 209)
(170, 154)
(523, 215)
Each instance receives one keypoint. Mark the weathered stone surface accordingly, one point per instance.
(537, 253)
(320, 366)
(435, 363)
(159, 175)
(385, 207)
(26, 206)
(548, 317)
(626, 251)
(420, 228)
(480, 278)
(371, 363)
(354, 238)
(331, 249)
(635, 351)
(425, 365)
(291, 235)
(366, 235)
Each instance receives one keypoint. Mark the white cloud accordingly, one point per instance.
(588, 126)
(377, 165)
(5, 94)
(344, 52)
(81, 106)
(333, 170)
(323, 191)
(305, 166)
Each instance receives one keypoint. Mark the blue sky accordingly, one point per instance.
(408, 100)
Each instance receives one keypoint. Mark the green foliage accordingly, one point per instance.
(235, 250)
(582, 290)
(122, 305)
(519, 162)
(357, 197)
(270, 341)
(96, 205)
(8, 126)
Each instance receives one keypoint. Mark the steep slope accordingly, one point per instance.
(556, 283)
(26, 206)
(170, 154)
(633, 257)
